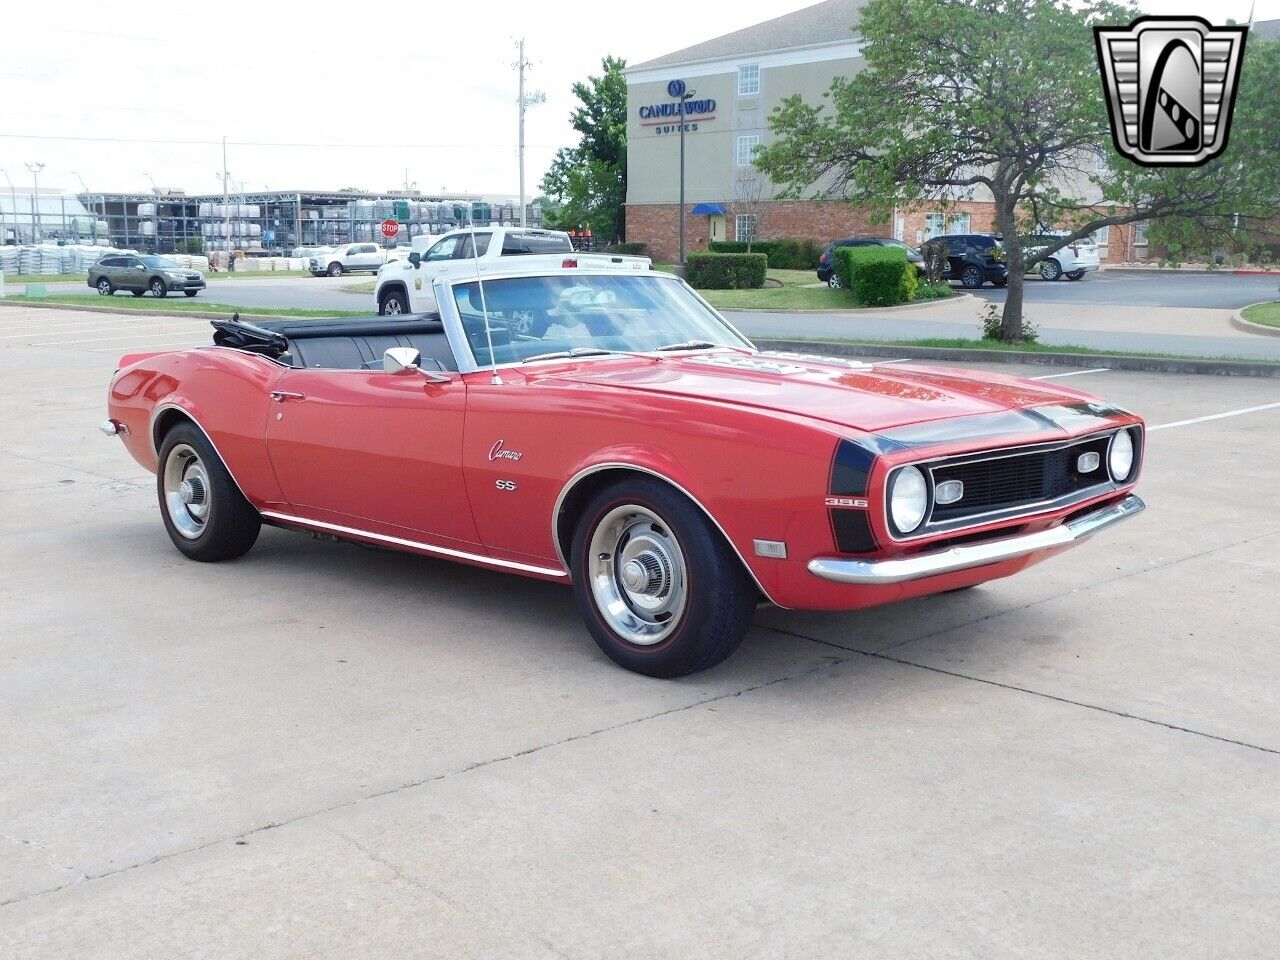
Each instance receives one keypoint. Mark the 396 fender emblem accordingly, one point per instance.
(857, 504)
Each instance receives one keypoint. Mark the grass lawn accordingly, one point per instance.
(41, 278)
(1268, 313)
(963, 344)
(796, 293)
(366, 287)
(181, 305)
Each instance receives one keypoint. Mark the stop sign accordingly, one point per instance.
(390, 228)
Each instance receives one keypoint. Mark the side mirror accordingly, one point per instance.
(401, 360)
(416, 259)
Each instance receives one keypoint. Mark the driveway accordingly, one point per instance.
(327, 751)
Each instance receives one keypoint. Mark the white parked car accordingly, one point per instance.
(405, 286)
(352, 258)
(1072, 261)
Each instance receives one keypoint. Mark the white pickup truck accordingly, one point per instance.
(352, 258)
(405, 286)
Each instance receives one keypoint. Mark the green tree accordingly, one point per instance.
(966, 99)
(589, 181)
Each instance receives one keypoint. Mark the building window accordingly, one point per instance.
(744, 226)
(938, 224)
(746, 149)
(1140, 234)
(748, 79)
(1102, 236)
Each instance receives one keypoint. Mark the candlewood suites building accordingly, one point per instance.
(736, 81)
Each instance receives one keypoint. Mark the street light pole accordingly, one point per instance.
(35, 168)
(13, 197)
(684, 98)
(524, 101)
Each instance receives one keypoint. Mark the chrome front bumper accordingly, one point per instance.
(976, 555)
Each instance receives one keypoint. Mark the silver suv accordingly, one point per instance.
(141, 273)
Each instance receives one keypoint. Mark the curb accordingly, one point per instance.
(1248, 326)
(853, 311)
(1250, 272)
(1221, 271)
(1217, 368)
(195, 314)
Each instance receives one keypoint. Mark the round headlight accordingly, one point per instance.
(908, 499)
(1120, 456)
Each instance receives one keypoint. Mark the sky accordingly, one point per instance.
(422, 91)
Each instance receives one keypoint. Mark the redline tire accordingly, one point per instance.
(717, 595)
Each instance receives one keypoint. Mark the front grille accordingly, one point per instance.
(1006, 483)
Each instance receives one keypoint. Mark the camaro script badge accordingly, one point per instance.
(496, 452)
(1170, 84)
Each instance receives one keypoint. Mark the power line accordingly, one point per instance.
(269, 143)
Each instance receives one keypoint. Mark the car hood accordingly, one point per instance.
(866, 397)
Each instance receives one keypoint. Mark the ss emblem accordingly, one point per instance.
(507, 485)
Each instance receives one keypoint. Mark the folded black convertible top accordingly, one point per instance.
(265, 336)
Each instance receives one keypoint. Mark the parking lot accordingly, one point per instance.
(328, 750)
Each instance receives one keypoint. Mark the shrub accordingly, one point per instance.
(628, 249)
(726, 271)
(878, 276)
(784, 253)
(932, 291)
(991, 325)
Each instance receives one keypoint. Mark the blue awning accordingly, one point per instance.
(708, 210)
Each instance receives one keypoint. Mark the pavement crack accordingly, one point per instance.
(49, 857)
(395, 869)
(1092, 586)
(826, 663)
(878, 655)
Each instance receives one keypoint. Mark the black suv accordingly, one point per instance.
(973, 259)
(827, 262)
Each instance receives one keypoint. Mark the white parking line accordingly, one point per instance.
(1073, 373)
(136, 335)
(1215, 416)
(903, 360)
(42, 336)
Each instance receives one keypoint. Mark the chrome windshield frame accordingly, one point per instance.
(456, 333)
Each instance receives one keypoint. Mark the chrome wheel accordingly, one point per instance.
(391, 306)
(104, 287)
(187, 494)
(1050, 270)
(833, 281)
(638, 574)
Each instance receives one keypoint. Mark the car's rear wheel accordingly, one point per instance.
(393, 303)
(204, 512)
(335, 269)
(104, 287)
(1050, 270)
(971, 278)
(834, 282)
(1075, 275)
(660, 589)
(158, 288)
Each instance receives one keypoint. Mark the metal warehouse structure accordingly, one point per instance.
(266, 222)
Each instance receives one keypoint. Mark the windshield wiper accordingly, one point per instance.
(569, 354)
(687, 345)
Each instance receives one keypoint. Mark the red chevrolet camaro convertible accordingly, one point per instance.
(613, 431)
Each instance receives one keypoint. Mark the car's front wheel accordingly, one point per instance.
(1075, 275)
(335, 269)
(394, 303)
(190, 293)
(158, 288)
(660, 589)
(971, 278)
(204, 512)
(1050, 270)
(104, 287)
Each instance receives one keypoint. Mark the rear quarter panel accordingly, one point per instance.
(226, 392)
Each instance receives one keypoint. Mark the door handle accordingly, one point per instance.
(280, 396)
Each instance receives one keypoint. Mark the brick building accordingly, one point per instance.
(732, 83)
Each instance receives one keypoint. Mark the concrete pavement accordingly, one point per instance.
(322, 750)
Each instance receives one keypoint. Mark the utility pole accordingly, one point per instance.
(684, 98)
(226, 206)
(524, 101)
(13, 198)
(35, 169)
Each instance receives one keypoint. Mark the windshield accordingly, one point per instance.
(533, 316)
(160, 263)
